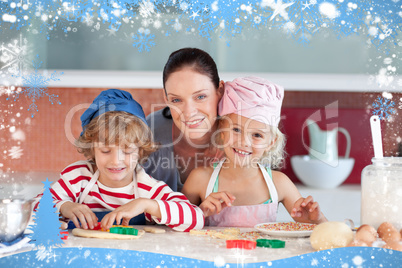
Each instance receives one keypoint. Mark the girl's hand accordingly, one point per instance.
(76, 211)
(306, 210)
(124, 213)
(215, 202)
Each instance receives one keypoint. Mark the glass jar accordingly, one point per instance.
(381, 199)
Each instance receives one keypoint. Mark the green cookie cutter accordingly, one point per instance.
(123, 230)
(270, 243)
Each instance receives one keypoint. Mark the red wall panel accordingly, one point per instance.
(356, 121)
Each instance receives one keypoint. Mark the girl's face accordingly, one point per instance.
(245, 140)
(115, 164)
(193, 101)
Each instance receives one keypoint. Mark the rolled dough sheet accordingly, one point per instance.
(154, 230)
(104, 235)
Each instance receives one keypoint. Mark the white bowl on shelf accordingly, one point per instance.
(319, 174)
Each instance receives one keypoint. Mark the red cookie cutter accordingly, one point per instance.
(245, 244)
(64, 235)
(98, 227)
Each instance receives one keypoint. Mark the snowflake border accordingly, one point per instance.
(384, 108)
(35, 85)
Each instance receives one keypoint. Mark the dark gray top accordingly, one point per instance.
(161, 164)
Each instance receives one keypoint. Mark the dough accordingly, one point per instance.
(202, 232)
(154, 230)
(221, 235)
(104, 235)
(331, 235)
(232, 231)
(227, 234)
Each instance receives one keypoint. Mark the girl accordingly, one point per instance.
(184, 129)
(116, 140)
(239, 190)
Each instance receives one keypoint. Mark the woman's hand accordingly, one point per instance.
(215, 202)
(306, 210)
(79, 213)
(124, 213)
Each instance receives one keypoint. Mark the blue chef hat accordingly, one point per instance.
(112, 100)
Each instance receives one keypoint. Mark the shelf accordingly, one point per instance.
(152, 79)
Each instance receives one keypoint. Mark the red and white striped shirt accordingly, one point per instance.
(176, 210)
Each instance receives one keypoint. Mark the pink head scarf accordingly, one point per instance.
(253, 97)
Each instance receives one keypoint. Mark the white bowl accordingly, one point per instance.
(319, 174)
(14, 218)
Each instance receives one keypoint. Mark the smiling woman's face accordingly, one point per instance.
(193, 101)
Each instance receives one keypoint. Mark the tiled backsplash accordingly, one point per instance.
(47, 147)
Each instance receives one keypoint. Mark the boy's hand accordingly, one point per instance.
(215, 202)
(124, 213)
(79, 213)
(306, 210)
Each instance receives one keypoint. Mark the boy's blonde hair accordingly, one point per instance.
(116, 128)
(274, 157)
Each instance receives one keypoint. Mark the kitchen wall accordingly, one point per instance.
(44, 142)
(46, 139)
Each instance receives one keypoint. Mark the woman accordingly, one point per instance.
(186, 128)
